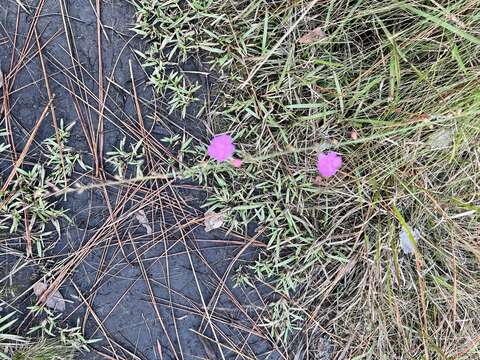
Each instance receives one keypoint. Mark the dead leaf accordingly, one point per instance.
(442, 139)
(39, 288)
(456, 20)
(55, 301)
(406, 243)
(313, 36)
(142, 219)
(213, 221)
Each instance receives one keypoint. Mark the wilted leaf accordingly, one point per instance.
(313, 36)
(55, 301)
(456, 20)
(406, 243)
(442, 139)
(142, 219)
(39, 288)
(213, 221)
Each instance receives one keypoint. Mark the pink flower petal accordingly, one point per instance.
(329, 163)
(237, 163)
(221, 147)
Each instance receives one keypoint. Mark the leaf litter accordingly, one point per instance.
(406, 243)
(213, 221)
(54, 301)
(313, 36)
(442, 139)
(143, 220)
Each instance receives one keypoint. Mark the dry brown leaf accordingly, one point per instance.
(142, 219)
(456, 20)
(39, 288)
(55, 301)
(213, 221)
(442, 139)
(313, 36)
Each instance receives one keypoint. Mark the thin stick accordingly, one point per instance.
(8, 120)
(101, 101)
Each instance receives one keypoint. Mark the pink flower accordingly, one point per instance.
(237, 163)
(221, 147)
(329, 163)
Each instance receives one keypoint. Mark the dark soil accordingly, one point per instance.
(143, 302)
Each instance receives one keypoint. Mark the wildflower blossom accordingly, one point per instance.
(237, 163)
(221, 147)
(329, 163)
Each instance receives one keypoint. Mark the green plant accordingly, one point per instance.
(50, 329)
(48, 326)
(61, 158)
(44, 350)
(122, 159)
(27, 205)
(74, 338)
(173, 40)
(7, 339)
